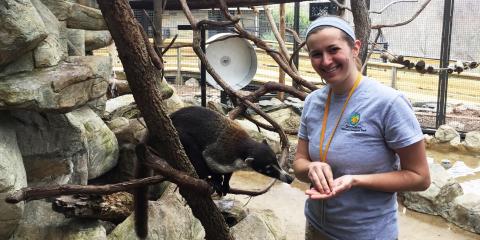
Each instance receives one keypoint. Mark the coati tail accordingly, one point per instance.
(140, 195)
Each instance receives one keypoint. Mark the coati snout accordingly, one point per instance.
(218, 146)
(267, 164)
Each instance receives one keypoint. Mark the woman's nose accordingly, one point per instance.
(327, 59)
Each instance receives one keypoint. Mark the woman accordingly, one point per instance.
(371, 143)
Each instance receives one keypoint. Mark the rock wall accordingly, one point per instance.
(52, 98)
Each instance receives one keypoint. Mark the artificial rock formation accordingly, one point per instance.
(51, 104)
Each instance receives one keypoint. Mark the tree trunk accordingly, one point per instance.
(141, 76)
(362, 23)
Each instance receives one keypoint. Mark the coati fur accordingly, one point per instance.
(216, 146)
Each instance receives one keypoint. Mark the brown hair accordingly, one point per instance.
(346, 38)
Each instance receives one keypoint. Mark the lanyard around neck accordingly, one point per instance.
(323, 154)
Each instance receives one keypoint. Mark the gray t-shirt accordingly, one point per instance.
(377, 120)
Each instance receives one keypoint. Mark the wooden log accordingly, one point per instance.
(113, 208)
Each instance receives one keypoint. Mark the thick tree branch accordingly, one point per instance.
(30, 193)
(142, 77)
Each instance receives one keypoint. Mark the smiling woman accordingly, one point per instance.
(359, 143)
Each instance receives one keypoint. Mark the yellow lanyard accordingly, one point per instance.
(323, 154)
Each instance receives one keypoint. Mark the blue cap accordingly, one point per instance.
(335, 22)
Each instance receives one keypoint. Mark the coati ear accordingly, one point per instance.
(249, 160)
(264, 141)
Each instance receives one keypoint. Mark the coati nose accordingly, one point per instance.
(284, 177)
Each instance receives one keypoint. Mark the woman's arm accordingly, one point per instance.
(317, 173)
(413, 176)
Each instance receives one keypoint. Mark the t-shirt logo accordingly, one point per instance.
(353, 123)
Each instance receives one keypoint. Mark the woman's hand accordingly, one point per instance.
(340, 185)
(320, 175)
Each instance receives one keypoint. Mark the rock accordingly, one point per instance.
(465, 212)
(169, 218)
(22, 29)
(97, 39)
(259, 225)
(272, 138)
(438, 198)
(77, 16)
(430, 140)
(192, 82)
(76, 42)
(446, 133)
(133, 133)
(98, 105)
(58, 89)
(123, 106)
(41, 222)
(64, 148)
(472, 141)
(286, 117)
(232, 210)
(446, 163)
(101, 143)
(12, 176)
(22, 64)
(49, 52)
(457, 125)
(173, 103)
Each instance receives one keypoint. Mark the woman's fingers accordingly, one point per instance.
(320, 175)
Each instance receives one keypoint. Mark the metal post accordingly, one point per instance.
(203, 70)
(296, 28)
(444, 61)
(394, 78)
(179, 78)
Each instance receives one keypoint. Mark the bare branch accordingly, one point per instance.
(261, 44)
(31, 193)
(273, 26)
(170, 44)
(405, 22)
(390, 4)
(379, 32)
(296, 37)
(268, 127)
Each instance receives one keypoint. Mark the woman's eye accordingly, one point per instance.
(334, 50)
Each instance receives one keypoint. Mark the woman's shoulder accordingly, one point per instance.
(376, 90)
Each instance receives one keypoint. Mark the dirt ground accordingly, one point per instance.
(287, 203)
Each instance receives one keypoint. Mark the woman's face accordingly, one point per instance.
(331, 56)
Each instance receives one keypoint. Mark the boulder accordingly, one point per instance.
(64, 148)
(22, 64)
(41, 222)
(446, 133)
(97, 39)
(472, 141)
(12, 176)
(21, 28)
(49, 52)
(122, 106)
(101, 144)
(168, 218)
(438, 198)
(61, 88)
(76, 42)
(259, 225)
(77, 16)
(465, 212)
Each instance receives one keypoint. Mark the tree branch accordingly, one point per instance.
(390, 4)
(405, 22)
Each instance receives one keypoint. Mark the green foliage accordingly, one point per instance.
(289, 18)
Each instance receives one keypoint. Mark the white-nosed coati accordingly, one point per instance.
(218, 146)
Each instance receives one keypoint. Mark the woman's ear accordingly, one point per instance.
(356, 47)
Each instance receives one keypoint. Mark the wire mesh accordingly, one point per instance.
(418, 40)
